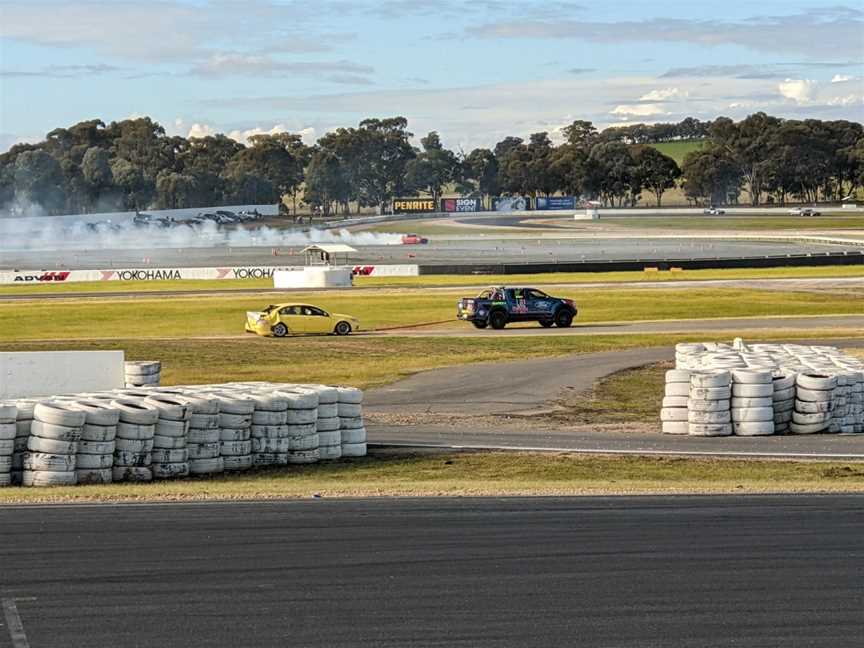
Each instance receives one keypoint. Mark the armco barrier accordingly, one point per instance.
(801, 260)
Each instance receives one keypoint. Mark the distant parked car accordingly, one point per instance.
(414, 239)
(804, 211)
(713, 211)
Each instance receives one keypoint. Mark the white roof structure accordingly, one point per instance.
(330, 248)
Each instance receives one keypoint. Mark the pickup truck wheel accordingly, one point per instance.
(479, 324)
(546, 323)
(498, 319)
(563, 318)
(280, 330)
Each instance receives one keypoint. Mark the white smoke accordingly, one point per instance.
(35, 234)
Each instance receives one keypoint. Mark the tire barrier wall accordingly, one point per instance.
(638, 265)
(720, 389)
(155, 433)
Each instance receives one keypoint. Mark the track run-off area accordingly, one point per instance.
(631, 572)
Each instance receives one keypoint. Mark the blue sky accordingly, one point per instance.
(476, 71)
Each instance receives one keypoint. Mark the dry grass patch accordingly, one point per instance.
(475, 474)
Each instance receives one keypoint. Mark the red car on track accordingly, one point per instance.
(414, 239)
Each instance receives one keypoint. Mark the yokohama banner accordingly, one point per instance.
(139, 274)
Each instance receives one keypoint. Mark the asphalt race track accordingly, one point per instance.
(623, 572)
(466, 249)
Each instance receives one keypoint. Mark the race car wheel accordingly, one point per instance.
(343, 328)
(498, 319)
(280, 330)
(546, 323)
(479, 324)
(563, 318)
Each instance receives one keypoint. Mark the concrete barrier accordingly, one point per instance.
(45, 373)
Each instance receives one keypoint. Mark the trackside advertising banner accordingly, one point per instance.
(511, 203)
(461, 205)
(413, 205)
(556, 202)
(138, 274)
(386, 270)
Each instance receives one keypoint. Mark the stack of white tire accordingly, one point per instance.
(23, 422)
(8, 416)
(351, 427)
(676, 395)
(235, 430)
(170, 458)
(94, 461)
(708, 405)
(133, 443)
(814, 403)
(857, 400)
(144, 373)
(52, 445)
(783, 399)
(329, 424)
(752, 402)
(203, 442)
(302, 423)
(270, 433)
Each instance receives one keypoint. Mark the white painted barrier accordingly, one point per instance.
(139, 274)
(313, 277)
(45, 373)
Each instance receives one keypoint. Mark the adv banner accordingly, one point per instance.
(511, 203)
(461, 205)
(557, 202)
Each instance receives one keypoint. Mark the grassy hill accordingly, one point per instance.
(677, 150)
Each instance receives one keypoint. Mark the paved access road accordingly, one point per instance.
(623, 572)
(521, 387)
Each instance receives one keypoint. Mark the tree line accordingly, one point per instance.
(134, 164)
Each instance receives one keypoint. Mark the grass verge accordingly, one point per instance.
(225, 315)
(363, 362)
(411, 474)
(631, 395)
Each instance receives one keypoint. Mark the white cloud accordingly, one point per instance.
(665, 94)
(800, 91)
(848, 100)
(638, 110)
(228, 64)
(841, 78)
(242, 135)
(201, 130)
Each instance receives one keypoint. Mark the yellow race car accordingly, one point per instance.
(280, 320)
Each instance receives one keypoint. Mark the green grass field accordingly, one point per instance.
(411, 474)
(677, 150)
(225, 315)
(545, 279)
